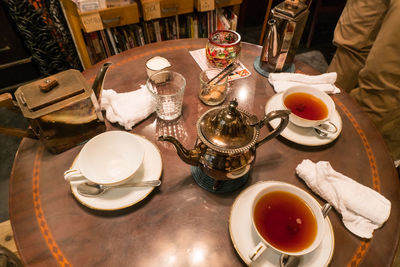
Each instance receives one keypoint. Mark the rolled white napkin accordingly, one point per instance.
(325, 82)
(127, 108)
(363, 209)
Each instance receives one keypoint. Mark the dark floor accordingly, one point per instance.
(321, 49)
(9, 145)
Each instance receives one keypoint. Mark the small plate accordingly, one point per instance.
(302, 135)
(120, 198)
(245, 238)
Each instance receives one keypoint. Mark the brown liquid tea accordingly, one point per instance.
(306, 106)
(285, 221)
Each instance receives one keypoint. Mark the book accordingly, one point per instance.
(146, 31)
(89, 48)
(176, 26)
(106, 44)
(174, 29)
(96, 46)
(182, 26)
(111, 39)
(139, 35)
(152, 32)
(231, 17)
(195, 33)
(222, 22)
(166, 29)
(209, 22)
(128, 42)
(205, 28)
(131, 35)
(117, 40)
(234, 21)
(202, 25)
(157, 31)
(190, 26)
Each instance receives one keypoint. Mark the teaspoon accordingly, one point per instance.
(89, 189)
(325, 128)
(320, 133)
(293, 261)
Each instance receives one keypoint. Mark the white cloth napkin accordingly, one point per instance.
(127, 108)
(363, 209)
(325, 82)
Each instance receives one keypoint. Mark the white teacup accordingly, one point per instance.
(287, 219)
(109, 158)
(310, 107)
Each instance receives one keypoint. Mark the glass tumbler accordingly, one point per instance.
(167, 89)
(212, 92)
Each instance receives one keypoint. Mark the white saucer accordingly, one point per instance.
(302, 135)
(120, 198)
(244, 237)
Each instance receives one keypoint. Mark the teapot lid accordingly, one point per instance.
(291, 9)
(228, 129)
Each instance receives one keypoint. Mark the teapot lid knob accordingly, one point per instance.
(233, 105)
(232, 109)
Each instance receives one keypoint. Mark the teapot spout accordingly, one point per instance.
(191, 157)
(98, 82)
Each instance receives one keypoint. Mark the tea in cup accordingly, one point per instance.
(287, 220)
(109, 158)
(310, 107)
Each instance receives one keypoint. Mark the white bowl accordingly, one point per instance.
(110, 157)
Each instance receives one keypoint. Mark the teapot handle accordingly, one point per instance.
(283, 115)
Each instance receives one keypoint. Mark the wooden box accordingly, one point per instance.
(224, 3)
(204, 5)
(207, 5)
(155, 9)
(109, 17)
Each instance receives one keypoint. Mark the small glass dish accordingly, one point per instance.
(223, 47)
(212, 93)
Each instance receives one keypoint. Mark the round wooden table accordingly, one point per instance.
(180, 223)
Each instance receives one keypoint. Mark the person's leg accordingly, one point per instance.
(354, 35)
(379, 81)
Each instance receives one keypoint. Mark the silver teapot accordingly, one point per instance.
(284, 30)
(227, 140)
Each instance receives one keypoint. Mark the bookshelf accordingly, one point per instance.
(102, 33)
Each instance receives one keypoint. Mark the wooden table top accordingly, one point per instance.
(179, 223)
